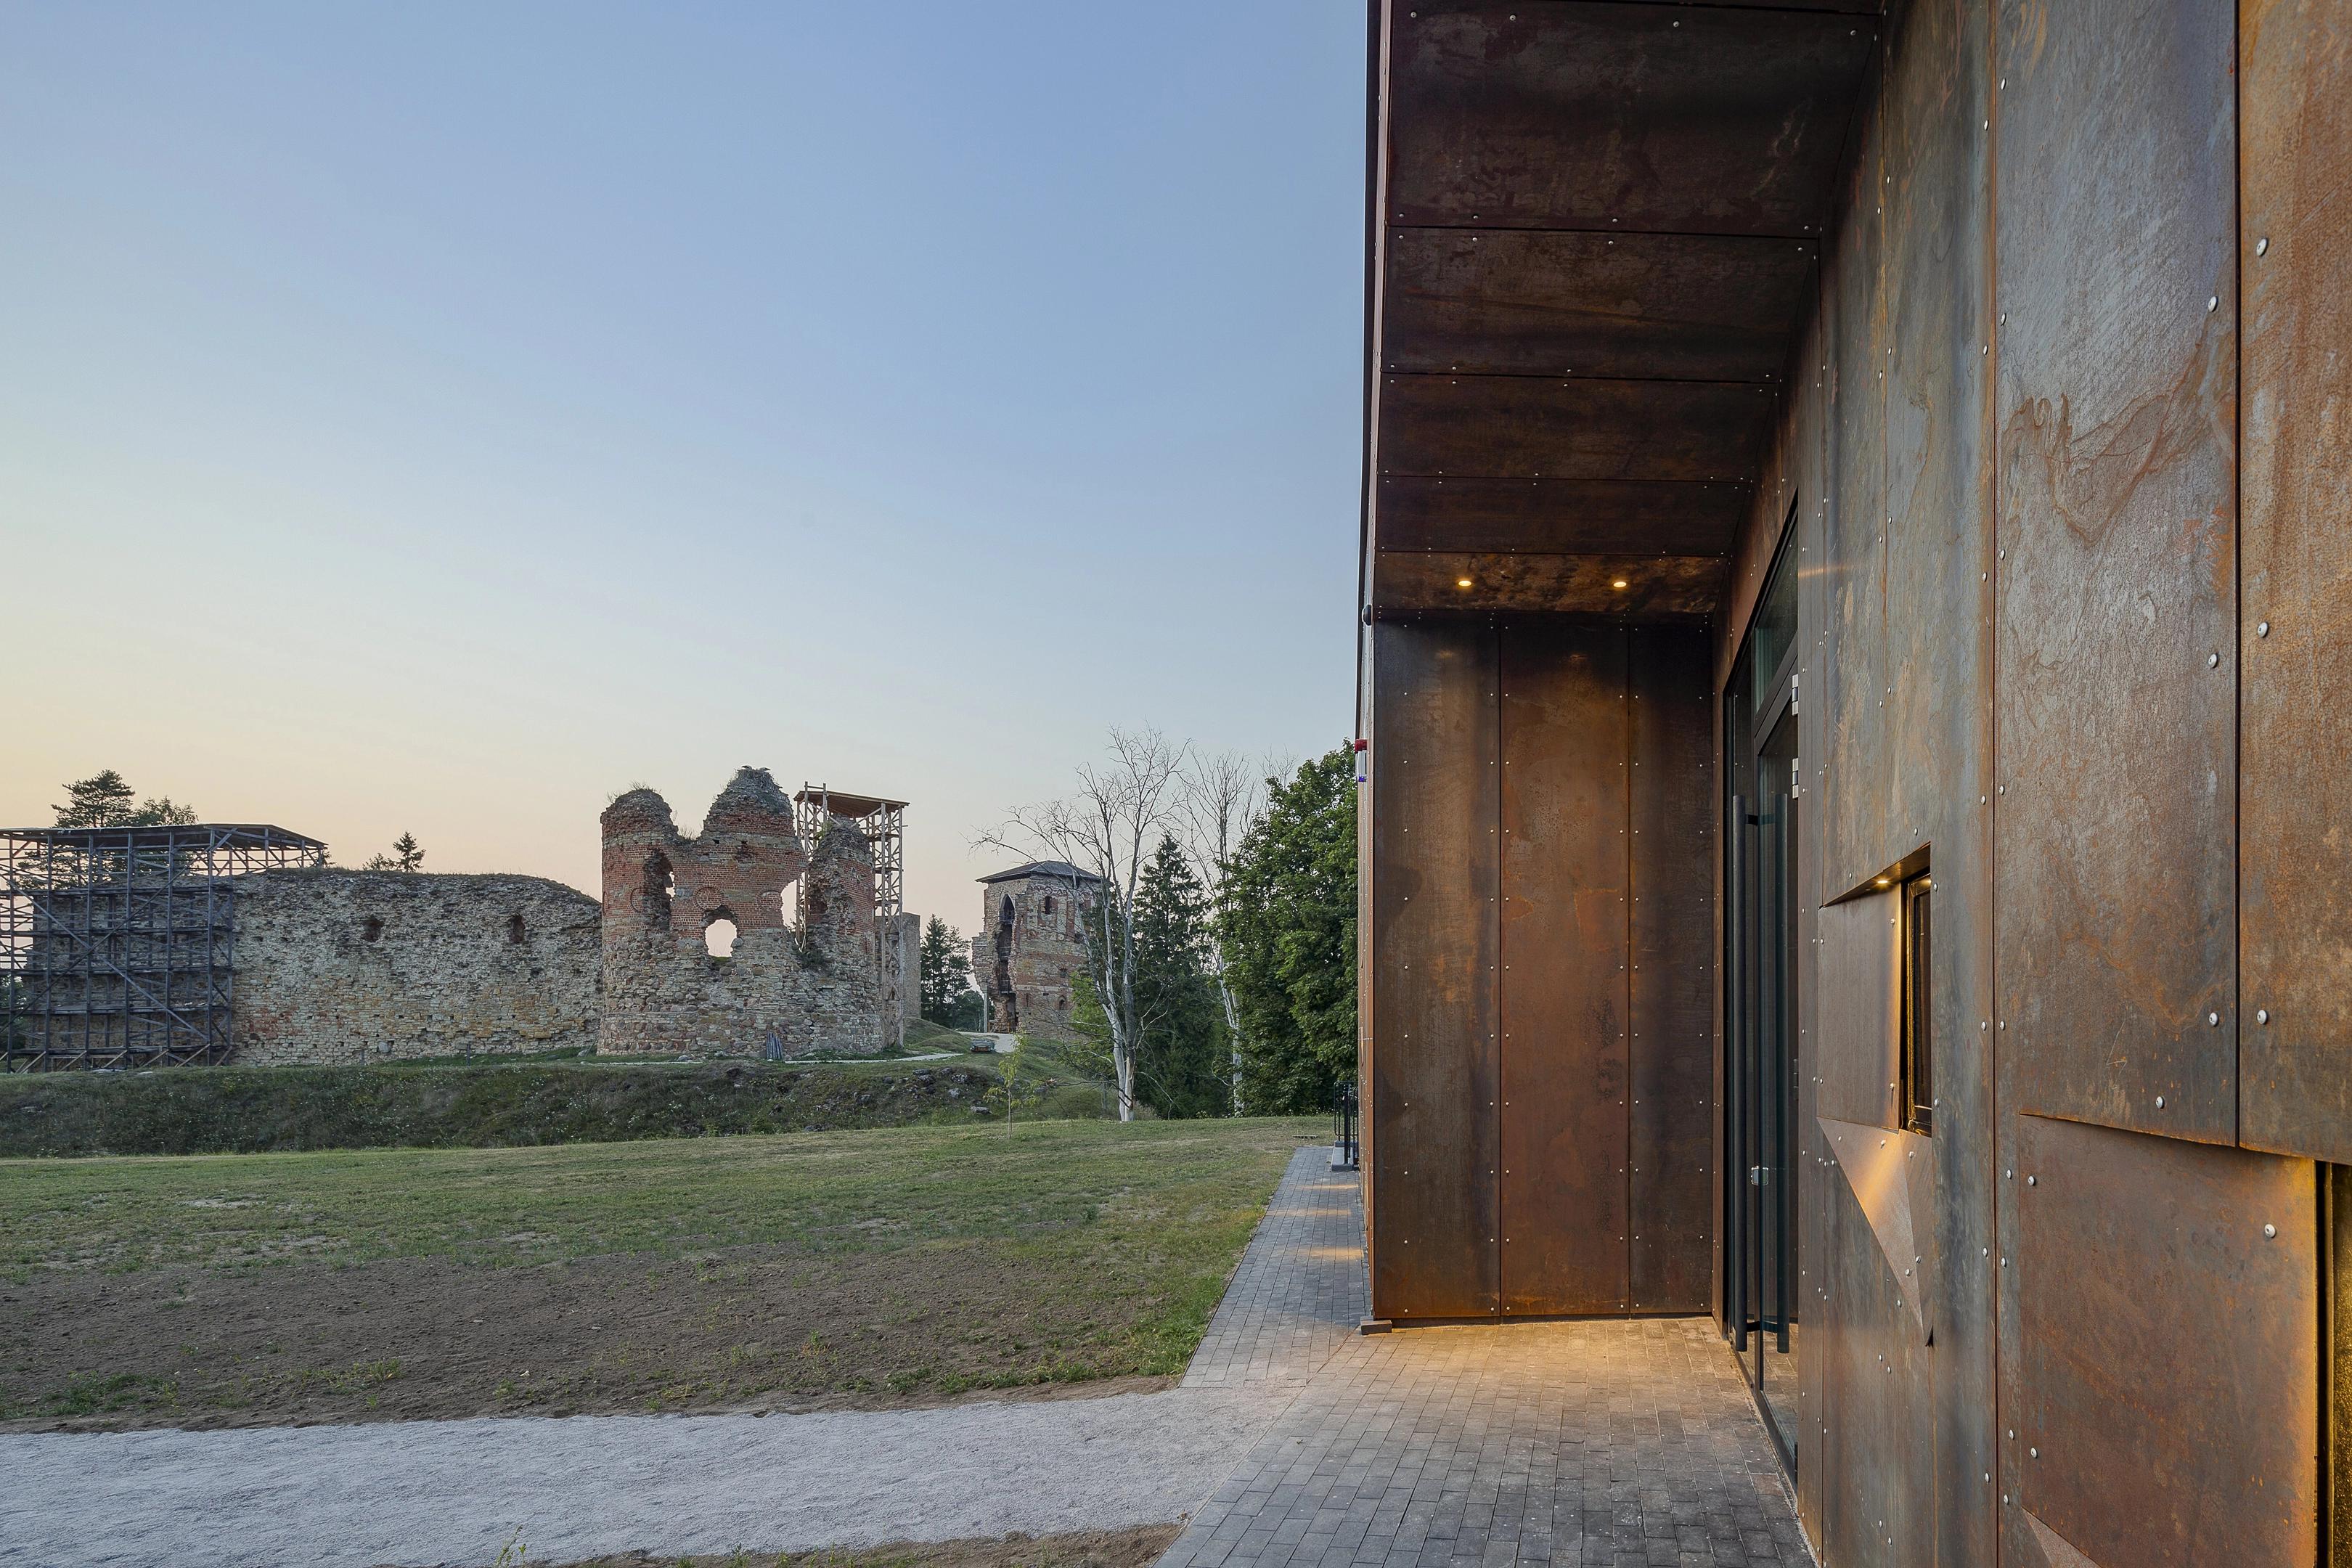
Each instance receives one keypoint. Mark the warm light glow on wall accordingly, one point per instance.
(1462, 582)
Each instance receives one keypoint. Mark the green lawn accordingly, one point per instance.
(817, 1267)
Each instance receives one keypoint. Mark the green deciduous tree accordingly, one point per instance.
(946, 969)
(105, 800)
(1287, 922)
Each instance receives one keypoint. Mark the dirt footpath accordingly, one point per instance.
(752, 1328)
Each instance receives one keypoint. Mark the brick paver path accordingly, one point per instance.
(1599, 1442)
(1299, 1291)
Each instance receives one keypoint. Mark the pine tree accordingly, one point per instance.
(1287, 922)
(103, 800)
(1181, 1066)
(946, 970)
(408, 855)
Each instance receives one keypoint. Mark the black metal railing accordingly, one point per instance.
(1343, 1128)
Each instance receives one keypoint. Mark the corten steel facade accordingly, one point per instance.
(1857, 580)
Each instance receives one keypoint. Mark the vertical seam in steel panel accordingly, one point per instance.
(1495, 925)
(1990, 440)
(1625, 813)
(2237, 578)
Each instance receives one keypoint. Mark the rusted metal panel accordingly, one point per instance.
(2116, 703)
(1672, 791)
(1434, 1060)
(1857, 1010)
(1593, 116)
(1893, 1177)
(1565, 1049)
(1938, 650)
(1538, 428)
(1559, 517)
(1849, 815)
(1878, 1495)
(1533, 303)
(2294, 631)
(2170, 1321)
(1593, 584)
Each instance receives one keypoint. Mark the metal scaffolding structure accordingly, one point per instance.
(883, 821)
(117, 944)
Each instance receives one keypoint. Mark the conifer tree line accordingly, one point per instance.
(1221, 952)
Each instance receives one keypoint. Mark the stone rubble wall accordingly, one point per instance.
(350, 966)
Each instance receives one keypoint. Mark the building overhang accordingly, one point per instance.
(1594, 235)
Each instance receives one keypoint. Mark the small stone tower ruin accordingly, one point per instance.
(778, 990)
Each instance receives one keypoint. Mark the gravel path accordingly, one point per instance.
(456, 1491)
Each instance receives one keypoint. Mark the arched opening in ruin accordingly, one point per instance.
(1049, 903)
(514, 930)
(655, 886)
(719, 933)
(372, 930)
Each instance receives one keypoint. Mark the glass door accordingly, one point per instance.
(1761, 1141)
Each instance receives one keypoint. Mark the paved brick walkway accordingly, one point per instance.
(1299, 1291)
(1603, 1442)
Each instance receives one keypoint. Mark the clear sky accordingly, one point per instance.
(441, 416)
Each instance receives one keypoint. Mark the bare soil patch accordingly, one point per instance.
(1080, 1549)
(414, 1338)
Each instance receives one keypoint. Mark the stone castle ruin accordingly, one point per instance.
(774, 932)
(1031, 946)
(780, 986)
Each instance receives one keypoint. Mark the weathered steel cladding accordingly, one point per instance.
(2294, 631)
(1433, 1068)
(1559, 517)
(1854, 1017)
(1565, 736)
(1542, 427)
(2132, 1456)
(2116, 702)
(1670, 786)
(1645, 585)
(1515, 824)
(1599, 116)
(1934, 177)
(1547, 302)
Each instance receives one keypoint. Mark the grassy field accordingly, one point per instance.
(788, 1271)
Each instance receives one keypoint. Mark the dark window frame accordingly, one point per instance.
(1918, 1078)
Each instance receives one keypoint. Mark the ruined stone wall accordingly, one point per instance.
(814, 988)
(349, 966)
(1028, 955)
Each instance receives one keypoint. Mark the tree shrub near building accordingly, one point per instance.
(1287, 922)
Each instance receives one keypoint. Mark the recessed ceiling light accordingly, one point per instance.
(1619, 584)
(1462, 582)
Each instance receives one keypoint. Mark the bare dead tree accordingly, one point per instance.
(1222, 794)
(1106, 829)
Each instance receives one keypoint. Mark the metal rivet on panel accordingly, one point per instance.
(2159, 1102)
(2261, 1015)
(2032, 1181)
(2212, 303)
(2263, 246)
(2213, 1018)
(2270, 1230)
(2212, 660)
(2264, 630)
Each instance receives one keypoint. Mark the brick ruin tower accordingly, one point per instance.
(1031, 947)
(671, 979)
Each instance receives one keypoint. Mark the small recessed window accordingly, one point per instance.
(1918, 1076)
(372, 930)
(1049, 903)
(514, 930)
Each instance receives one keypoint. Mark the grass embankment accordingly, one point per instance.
(233, 1109)
(790, 1272)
